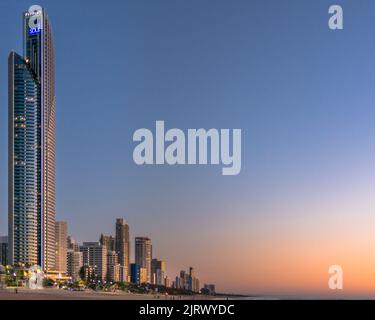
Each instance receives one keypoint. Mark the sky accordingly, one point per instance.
(301, 93)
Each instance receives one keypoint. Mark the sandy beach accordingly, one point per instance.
(59, 294)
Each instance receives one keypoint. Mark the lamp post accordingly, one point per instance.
(15, 275)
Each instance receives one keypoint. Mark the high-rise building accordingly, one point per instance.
(143, 255)
(31, 154)
(143, 276)
(135, 274)
(167, 282)
(72, 244)
(122, 247)
(74, 264)
(95, 256)
(183, 280)
(113, 267)
(187, 281)
(61, 235)
(177, 283)
(157, 272)
(4, 250)
(191, 281)
(196, 285)
(107, 241)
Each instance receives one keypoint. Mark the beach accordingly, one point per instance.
(60, 294)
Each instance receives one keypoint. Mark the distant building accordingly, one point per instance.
(61, 232)
(122, 247)
(124, 274)
(209, 289)
(74, 264)
(191, 280)
(187, 281)
(4, 250)
(167, 282)
(108, 242)
(95, 256)
(177, 283)
(143, 255)
(143, 275)
(72, 244)
(196, 285)
(135, 276)
(157, 272)
(113, 267)
(184, 280)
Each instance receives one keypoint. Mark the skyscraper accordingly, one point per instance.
(61, 233)
(157, 271)
(122, 246)
(72, 244)
(135, 274)
(108, 242)
(143, 255)
(31, 178)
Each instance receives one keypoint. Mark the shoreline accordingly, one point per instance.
(60, 294)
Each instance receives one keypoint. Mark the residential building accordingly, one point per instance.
(122, 247)
(94, 255)
(135, 274)
(74, 264)
(143, 255)
(61, 235)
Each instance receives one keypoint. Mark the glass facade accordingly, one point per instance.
(32, 146)
(25, 164)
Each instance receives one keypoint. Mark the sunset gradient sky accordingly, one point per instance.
(302, 94)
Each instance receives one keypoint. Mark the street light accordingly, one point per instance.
(15, 275)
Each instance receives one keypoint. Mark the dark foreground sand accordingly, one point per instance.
(59, 294)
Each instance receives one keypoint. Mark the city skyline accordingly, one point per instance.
(301, 94)
(147, 268)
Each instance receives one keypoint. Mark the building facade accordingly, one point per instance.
(4, 250)
(107, 241)
(135, 274)
(31, 154)
(74, 264)
(94, 256)
(143, 255)
(143, 276)
(113, 267)
(157, 272)
(61, 234)
(122, 247)
(72, 244)
(187, 281)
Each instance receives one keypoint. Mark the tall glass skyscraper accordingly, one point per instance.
(31, 180)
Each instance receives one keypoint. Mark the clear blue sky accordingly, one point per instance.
(302, 94)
